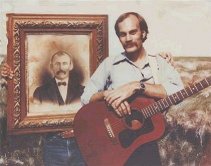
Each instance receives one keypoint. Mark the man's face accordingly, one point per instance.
(130, 34)
(61, 65)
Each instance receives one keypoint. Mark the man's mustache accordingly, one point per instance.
(60, 71)
(130, 45)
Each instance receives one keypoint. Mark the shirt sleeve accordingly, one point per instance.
(97, 81)
(169, 77)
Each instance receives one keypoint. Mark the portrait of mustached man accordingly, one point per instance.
(63, 88)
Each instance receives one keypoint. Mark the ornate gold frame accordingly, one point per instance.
(18, 26)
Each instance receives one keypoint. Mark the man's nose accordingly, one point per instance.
(128, 37)
(61, 66)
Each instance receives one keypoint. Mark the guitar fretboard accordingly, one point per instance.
(163, 104)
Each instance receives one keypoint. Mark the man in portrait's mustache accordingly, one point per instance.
(63, 87)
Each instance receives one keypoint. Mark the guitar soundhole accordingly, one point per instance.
(134, 121)
(136, 126)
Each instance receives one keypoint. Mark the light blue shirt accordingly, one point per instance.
(119, 70)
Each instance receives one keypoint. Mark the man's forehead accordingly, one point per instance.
(130, 21)
(61, 57)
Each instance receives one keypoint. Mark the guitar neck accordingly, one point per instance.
(163, 104)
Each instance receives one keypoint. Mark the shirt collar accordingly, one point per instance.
(123, 57)
(65, 80)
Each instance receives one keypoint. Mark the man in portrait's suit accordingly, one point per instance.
(60, 148)
(64, 87)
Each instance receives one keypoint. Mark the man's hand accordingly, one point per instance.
(67, 134)
(117, 98)
(123, 108)
(168, 56)
(6, 71)
(121, 93)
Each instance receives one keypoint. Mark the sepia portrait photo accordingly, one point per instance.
(56, 58)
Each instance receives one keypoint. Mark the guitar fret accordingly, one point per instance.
(185, 93)
(150, 112)
(188, 91)
(176, 98)
(172, 98)
(182, 94)
(207, 81)
(195, 90)
(157, 109)
(147, 112)
(168, 98)
(165, 105)
(143, 112)
(196, 87)
(160, 105)
(201, 84)
(161, 101)
(154, 110)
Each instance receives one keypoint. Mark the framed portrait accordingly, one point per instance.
(33, 39)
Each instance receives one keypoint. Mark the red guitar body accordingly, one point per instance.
(108, 140)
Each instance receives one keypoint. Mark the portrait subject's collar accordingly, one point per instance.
(65, 80)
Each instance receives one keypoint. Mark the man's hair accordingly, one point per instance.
(61, 53)
(142, 23)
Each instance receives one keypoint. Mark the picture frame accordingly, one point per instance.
(32, 39)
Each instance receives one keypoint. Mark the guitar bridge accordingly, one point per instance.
(110, 131)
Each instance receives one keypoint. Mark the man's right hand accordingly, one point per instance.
(121, 108)
(117, 98)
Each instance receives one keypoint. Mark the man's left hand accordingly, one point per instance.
(168, 57)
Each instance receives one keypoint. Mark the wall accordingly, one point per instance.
(182, 28)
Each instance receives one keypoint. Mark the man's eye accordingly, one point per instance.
(133, 32)
(121, 34)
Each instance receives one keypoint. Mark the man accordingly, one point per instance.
(60, 148)
(64, 87)
(120, 77)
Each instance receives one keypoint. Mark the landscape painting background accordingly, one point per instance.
(180, 27)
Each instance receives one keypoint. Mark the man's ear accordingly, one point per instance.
(71, 66)
(51, 66)
(144, 35)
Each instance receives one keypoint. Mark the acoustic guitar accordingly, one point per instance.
(105, 139)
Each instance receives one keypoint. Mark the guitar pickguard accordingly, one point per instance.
(129, 135)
